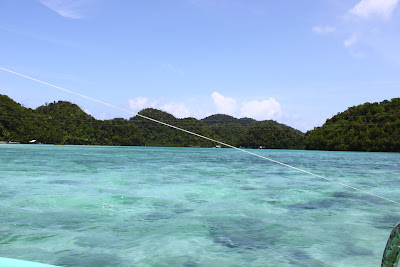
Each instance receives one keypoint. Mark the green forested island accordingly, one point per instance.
(65, 123)
(367, 127)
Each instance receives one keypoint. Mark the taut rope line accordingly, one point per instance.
(201, 136)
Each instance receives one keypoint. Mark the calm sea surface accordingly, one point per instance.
(146, 206)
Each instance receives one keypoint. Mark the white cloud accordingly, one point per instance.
(378, 8)
(179, 110)
(72, 9)
(138, 103)
(323, 30)
(350, 41)
(357, 51)
(364, 26)
(260, 110)
(225, 105)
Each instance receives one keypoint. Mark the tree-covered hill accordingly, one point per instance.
(65, 123)
(16, 121)
(367, 127)
(272, 135)
(222, 119)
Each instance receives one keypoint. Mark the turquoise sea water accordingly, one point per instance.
(146, 206)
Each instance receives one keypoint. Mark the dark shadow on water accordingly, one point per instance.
(301, 258)
(193, 197)
(64, 182)
(355, 196)
(89, 260)
(244, 233)
(155, 216)
(387, 221)
(76, 221)
(248, 187)
(358, 251)
(190, 263)
(312, 205)
(337, 200)
(98, 240)
(180, 209)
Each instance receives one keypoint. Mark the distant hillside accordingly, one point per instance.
(221, 119)
(65, 123)
(367, 127)
(13, 120)
(272, 135)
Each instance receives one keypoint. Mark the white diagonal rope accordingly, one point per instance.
(204, 137)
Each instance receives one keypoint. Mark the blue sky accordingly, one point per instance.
(297, 62)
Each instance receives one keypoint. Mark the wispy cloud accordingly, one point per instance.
(350, 41)
(374, 8)
(323, 29)
(355, 50)
(72, 9)
(363, 27)
(40, 37)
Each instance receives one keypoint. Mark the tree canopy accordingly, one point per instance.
(65, 123)
(366, 127)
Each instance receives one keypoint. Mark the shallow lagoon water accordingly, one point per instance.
(148, 206)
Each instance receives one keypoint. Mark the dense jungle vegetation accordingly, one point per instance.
(65, 123)
(366, 127)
